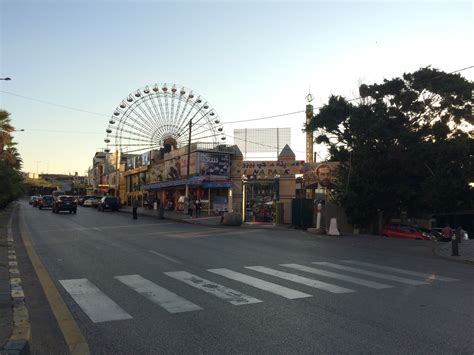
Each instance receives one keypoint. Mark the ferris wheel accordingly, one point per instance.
(161, 115)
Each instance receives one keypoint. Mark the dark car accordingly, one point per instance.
(108, 202)
(396, 230)
(35, 200)
(64, 203)
(46, 202)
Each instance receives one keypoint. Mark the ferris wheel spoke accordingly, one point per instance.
(181, 115)
(135, 117)
(165, 117)
(148, 121)
(176, 115)
(135, 130)
(158, 116)
(154, 121)
(184, 121)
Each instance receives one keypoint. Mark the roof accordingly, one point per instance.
(286, 152)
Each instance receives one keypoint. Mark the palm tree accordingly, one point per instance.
(8, 153)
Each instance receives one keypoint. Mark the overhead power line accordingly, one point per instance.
(231, 122)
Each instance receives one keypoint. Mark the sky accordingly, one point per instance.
(249, 59)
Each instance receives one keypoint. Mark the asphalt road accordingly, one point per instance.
(156, 286)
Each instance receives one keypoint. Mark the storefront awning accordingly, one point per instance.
(194, 181)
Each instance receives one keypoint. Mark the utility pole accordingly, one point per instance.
(189, 157)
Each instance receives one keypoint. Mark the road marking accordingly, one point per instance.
(402, 271)
(300, 279)
(355, 280)
(261, 284)
(73, 337)
(157, 294)
(165, 257)
(227, 294)
(98, 307)
(371, 273)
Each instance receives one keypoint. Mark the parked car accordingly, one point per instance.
(32, 198)
(46, 202)
(64, 203)
(396, 230)
(92, 202)
(108, 202)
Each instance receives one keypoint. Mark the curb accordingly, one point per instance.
(21, 333)
(458, 259)
(191, 221)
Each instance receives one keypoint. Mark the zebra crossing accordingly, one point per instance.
(100, 307)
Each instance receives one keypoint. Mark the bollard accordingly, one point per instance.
(454, 246)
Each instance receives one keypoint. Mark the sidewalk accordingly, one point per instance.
(6, 318)
(205, 219)
(466, 251)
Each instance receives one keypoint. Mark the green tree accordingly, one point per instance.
(10, 162)
(406, 145)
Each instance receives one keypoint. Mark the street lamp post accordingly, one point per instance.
(244, 180)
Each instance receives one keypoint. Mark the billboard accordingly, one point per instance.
(214, 164)
(321, 174)
(176, 167)
(262, 140)
(269, 169)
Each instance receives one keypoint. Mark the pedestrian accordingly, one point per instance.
(459, 233)
(198, 208)
(190, 207)
(134, 208)
(447, 232)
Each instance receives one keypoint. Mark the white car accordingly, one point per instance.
(92, 202)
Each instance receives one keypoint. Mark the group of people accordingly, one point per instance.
(194, 204)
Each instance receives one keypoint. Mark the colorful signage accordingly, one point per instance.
(269, 169)
(214, 164)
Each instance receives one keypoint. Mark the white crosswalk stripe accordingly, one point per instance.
(260, 284)
(402, 271)
(355, 280)
(300, 279)
(234, 297)
(373, 274)
(157, 294)
(101, 308)
(93, 302)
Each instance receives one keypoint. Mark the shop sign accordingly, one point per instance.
(269, 169)
(214, 164)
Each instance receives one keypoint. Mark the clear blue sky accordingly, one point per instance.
(248, 59)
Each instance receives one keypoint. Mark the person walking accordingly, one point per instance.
(447, 232)
(134, 208)
(198, 207)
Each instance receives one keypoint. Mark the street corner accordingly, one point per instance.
(465, 251)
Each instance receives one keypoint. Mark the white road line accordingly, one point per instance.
(355, 280)
(94, 303)
(402, 271)
(261, 284)
(228, 294)
(157, 294)
(165, 257)
(374, 274)
(300, 279)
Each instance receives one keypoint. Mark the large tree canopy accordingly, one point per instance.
(407, 144)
